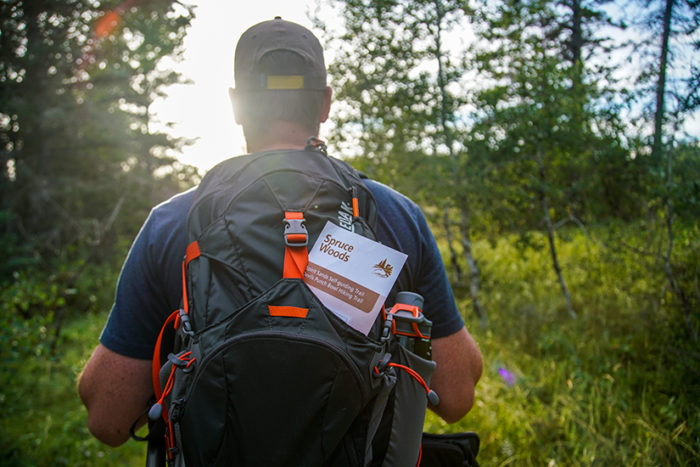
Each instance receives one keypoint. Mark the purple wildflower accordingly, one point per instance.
(508, 376)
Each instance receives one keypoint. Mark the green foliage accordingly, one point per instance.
(35, 301)
(80, 168)
(16, 254)
(75, 143)
(546, 127)
(666, 82)
(43, 420)
(396, 79)
(683, 188)
(619, 385)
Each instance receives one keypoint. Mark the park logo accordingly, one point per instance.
(383, 269)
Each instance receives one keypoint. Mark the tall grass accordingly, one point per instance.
(618, 385)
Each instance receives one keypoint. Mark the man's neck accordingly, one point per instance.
(278, 136)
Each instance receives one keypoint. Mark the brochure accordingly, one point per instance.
(352, 275)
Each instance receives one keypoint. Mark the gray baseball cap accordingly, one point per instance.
(279, 55)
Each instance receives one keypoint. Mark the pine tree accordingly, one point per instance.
(76, 81)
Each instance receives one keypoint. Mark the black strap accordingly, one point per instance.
(132, 428)
(450, 450)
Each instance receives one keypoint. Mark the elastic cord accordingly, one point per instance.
(414, 374)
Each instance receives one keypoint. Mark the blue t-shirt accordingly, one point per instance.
(150, 284)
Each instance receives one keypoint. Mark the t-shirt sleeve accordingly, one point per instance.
(149, 286)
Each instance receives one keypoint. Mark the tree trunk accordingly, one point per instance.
(661, 82)
(544, 202)
(462, 202)
(575, 48)
(453, 254)
(657, 153)
(576, 32)
(474, 274)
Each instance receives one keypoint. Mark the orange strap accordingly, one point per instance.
(296, 255)
(156, 364)
(191, 253)
(415, 311)
(295, 261)
(355, 203)
(288, 311)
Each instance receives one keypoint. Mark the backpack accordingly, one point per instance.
(260, 371)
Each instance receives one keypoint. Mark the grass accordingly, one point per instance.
(44, 421)
(618, 385)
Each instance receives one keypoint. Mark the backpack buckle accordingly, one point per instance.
(295, 233)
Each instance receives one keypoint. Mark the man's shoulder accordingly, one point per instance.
(177, 202)
(168, 219)
(173, 208)
(392, 202)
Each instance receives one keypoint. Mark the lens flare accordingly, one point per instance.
(105, 27)
(107, 24)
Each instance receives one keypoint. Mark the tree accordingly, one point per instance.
(543, 125)
(76, 81)
(678, 23)
(401, 108)
(669, 46)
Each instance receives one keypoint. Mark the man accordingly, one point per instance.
(280, 100)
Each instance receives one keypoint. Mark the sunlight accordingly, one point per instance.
(201, 111)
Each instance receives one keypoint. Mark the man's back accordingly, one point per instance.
(155, 257)
(280, 100)
(267, 370)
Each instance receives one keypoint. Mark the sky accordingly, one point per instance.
(202, 110)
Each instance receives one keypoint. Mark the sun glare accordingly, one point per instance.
(201, 111)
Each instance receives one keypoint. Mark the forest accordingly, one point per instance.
(552, 144)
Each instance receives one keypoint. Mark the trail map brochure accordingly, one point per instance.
(352, 275)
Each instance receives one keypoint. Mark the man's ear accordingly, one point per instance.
(326, 105)
(235, 105)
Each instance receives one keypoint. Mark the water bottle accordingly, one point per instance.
(410, 326)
